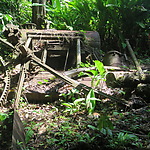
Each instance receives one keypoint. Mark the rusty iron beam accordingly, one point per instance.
(53, 36)
(70, 81)
(7, 43)
(18, 134)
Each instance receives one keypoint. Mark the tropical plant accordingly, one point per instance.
(115, 20)
(15, 11)
(123, 139)
(90, 102)
(29, 134)
(74, 106)
(96, 75)
(4, 19)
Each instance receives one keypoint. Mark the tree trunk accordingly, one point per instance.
(39, 13)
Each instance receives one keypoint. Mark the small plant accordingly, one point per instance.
(124, 139)
(91, 101)
(29, 134)
(87, 103)
(105, 125)
(75, 106)
(72, 95)
(96, 75)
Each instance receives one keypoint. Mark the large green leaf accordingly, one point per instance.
(8, 17)
(100, 67)
(91, 101)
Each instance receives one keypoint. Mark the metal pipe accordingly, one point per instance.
(78, 52)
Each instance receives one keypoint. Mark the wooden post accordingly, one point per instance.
(27, 44)
(44, 54)
(78, 52)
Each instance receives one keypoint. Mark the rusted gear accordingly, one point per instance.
(6, 83)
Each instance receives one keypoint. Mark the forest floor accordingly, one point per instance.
(49, 127)
(64, 125)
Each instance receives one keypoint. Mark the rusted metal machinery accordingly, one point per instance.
(41, 48)
(65, 46)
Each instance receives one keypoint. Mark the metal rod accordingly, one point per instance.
(66, 59)
(139, 69)
(20, 85)
(44, 54)
(7, 43)
(78, 52)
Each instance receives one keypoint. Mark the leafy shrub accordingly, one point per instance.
(114, 20)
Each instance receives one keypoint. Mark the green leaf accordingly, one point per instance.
(8, 17)
(91, 94)
(45, 80)
(94, 72)
(67, 104)
(56, 3)
(142, 25)
(97, 83)
(92, 127)
(40, 82)
(29, 134)
(132, 136)
(120, 136)
(100, 67)
(3, 116)
(90, 101)
(78, 101)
